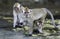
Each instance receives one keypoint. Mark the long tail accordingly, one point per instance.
(49, 12)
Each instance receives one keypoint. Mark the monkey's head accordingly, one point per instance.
(17, 7)
(38, 22)
(26, 10)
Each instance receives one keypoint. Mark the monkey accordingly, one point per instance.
(39, 14)
(30, 15)
(18, 14)
(38, 26)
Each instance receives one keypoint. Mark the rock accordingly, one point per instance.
(58, 27)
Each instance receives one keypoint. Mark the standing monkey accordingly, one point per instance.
(18, 14)
(40, 15)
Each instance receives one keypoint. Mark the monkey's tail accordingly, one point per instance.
(49, 12)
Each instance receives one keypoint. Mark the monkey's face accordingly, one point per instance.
(26, 10)
(38, 22)
(16, 9)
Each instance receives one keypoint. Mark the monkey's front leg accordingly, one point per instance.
(30, 29)
(14, 19)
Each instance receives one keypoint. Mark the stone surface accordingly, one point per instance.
(9, 34)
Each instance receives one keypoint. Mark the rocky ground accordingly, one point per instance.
(6, 31)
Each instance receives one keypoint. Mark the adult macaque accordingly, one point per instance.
(40, 15)
(18, 14)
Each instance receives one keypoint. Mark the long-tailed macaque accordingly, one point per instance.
(18, 16)
(28, 16)
(36, 14)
